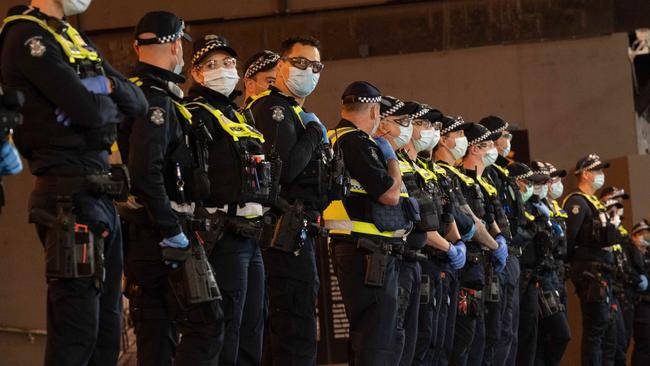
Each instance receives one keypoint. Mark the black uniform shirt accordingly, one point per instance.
(364, 161)
(508, 195)
(296, 145)
(147, 145)
(34, 62)
(580, 213)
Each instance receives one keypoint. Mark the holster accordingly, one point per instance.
(376, 261)
(425, 290)
(550, 303)
(286, 231)
(72, 249)
(492, 284)
(595, 287)
(194, 282)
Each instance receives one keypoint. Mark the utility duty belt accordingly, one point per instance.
(475, 257)
(114, 184)
(287, 226)
(515, 251)
(492, 284)
(72, 249)
(219, 222)
(550, 303)
(470, 302)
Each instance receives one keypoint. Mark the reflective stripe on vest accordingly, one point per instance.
(558, 211)
(236, 130)
(75, 48)
(467, 180)
(296, 108)
(336, 217)
(591, 199)
(491, 191)
(504, 171)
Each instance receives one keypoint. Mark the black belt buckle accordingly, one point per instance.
(516, 251)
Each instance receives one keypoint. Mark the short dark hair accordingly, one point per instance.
(288, 43)
(356, 106)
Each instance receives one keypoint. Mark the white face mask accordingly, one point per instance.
(428, 139)
(221, 80)
(506, 150)
(525, 196)
(540, 191)
(599, 181)
(74, 7)
(301, 82)
(178, 68)
(490, 157)
(556, 190)
(460, 149)
(404, 136)
(616, 220)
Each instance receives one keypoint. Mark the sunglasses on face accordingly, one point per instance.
(303, 63)
(228, 63)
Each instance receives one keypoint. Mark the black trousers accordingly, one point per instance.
(376, 335)
(292, 290)
(506, 344)
(84, 323)
(157, 315)
(470, 322)
(239, 270)
(410, 274)
(641, 353)
(554, 333)
(528, 323)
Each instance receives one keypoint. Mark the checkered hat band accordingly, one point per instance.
(503, 128)
(392, 109)
(368, 99)
(420, 113)
(160, 40)
(480, 138)
(456, 123)
(541, 172)
(523, 176)
(207, 48)
(589, 167)
(260, 63)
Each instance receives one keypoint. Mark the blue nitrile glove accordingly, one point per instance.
(178, 241)
(96, 84)
(543, 209)
(309, 117)
(386, 148)
(643, 285)
(10, 162)
(470, 234)
(500, 254)
(457, 255)
(557, 229)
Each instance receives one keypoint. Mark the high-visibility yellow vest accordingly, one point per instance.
(236, 130)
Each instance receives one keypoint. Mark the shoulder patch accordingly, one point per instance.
(575, 209)
(373, 153)
(156, 115)
(278, 113)
(36, 46)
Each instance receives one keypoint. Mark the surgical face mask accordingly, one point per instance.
(556, 190)
(598, 182)
(178, 68)
(540, 191)
(428, 139)
(301, 82)
(645, 242)
(221, 80)
(525, 196)
(616, 220)
(460, 149)
(404, 136)
(74, 7)
(506, 150)
(490, 157)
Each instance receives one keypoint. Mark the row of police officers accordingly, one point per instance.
(446, 252)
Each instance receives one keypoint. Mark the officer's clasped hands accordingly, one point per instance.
(95, 84)
(175, 250)
(457, 254)
(386, 148)
(309, 118)
(500, 253)
(10, 163)
(643, 284)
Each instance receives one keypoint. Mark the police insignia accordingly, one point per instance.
(157, 115)
(278, 113)
(373, 153)
(575, 209)
(36, 47)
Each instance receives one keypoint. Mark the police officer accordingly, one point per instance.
(436, 235)
(259, 73)
(553, 327)
(590, 236)
(628, 276)
(368, 228)
(297, 138)
(554, 333)
(481, 154)
(239, 185)
(641, 353)
(158, 149)
(74, 101)
(503, 316)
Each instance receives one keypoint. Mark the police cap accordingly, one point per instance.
(261, 61)
(362, 92)
(210, 42)
(165, 25)
(590, 162)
